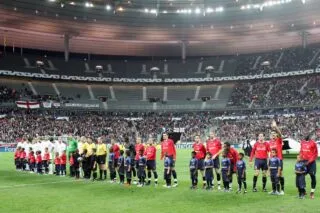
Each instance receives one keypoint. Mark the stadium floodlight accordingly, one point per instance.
(52, 0)
(120, 9)
(146, 10)
(265, 63)
(165, 12)
(303, 1)
(39, 63)
(219, 9)
(72, 3)
(209, 10)
(99, 68)
(197, 11)
(108, 7)
(155, 69)
(153, 11)
(209, 68)
(189, 11)
(88, 4)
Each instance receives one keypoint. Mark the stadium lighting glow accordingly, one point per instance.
(88, 4)
(120, 9)
(165, 12)
(197, 11)
(146, 10)
(108, 7)
(209, 10)
(52, 0)
(153, 11)
(219, 9)
(303, 1)
(72, 3)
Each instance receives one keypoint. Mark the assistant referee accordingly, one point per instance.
(101, 158)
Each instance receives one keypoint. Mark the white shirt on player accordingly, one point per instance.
(60, 147)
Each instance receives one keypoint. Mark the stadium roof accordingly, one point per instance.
(157, 28)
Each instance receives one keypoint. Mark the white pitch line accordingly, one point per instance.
(35, 184)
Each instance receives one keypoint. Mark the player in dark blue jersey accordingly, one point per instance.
(274, 171)
(193, 166)
(208, 166)
(121, 167)
(111, 166)
(241, 173)
(225, 170)
(167, 170)
(300, 170)
(142, 161)
(128, 167)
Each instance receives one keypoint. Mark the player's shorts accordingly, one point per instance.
(115, 163)
(151, 165)
(201, 164)
(260, 164)
(216, 163)
(101, 159)
(172, 165)
(311, 168)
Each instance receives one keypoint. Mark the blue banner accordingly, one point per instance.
(7, 149)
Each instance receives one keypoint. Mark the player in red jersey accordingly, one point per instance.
(17, 158)
(233, 155)
(260, 151)
(63, 162)
(168, 147)
(214, 146)
(23, 159)
(46, 160)
(276, 143)
(309, 155)
(139, 146)
(151, 155)
(200, 150)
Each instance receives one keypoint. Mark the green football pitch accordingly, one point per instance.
(23, 192)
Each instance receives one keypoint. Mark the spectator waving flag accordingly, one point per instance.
(28, 104)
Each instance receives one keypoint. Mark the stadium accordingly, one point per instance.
(159, 105)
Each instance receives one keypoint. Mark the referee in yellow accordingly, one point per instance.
(101, 158)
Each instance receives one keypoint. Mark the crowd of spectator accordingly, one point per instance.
(278, 61)
(283, 92)
(19, 123)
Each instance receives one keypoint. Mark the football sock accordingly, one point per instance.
(264, 182)
(245, 185)
(255, 178)
(105, 174)
(155, 174)
(174, 174)
(313, 181)
(281, 179)
(278, 187)
(100, 173)
(149, 174)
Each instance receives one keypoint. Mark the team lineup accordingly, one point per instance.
(135, 163)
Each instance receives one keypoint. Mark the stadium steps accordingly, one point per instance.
(314, 58)
(279, 60)
(256, 62)
(165, 93)
(196, 94)
(144, 93)
(56, 89)
(34, 91)
(216, 95)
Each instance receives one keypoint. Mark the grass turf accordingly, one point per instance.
(24, 192)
